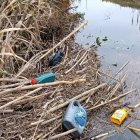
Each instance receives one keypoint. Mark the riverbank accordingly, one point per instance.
(35, 111)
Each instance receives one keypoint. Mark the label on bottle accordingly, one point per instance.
(80, 118)
(118, 114)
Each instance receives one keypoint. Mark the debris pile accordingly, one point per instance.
(33, 34)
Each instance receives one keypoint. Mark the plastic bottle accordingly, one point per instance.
(119, 116)
(46, 78)
(58, 57)
(75, 117)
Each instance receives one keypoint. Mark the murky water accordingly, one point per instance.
(119, 22)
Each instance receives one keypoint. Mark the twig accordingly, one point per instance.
(117, 86)
(111, 100)
(133, 107)
(65, 56)
(44, 107)
(132, 128)
(32, 98)
(37, 125)
(45, 122)
(13, 85)
(83, 60)
(36, 97)
(7, 111)
(109, 124)
(53, 84)
(80, 71)
(63, 134)
(93, 90)
(41, 85)
(5, 92)
(12, 80)
(73, 32)
(83, 56)
(51, 131)
(76, 63)
(102, 135)
(107, 75)
(1, 107)
(122, 67)
(118, 128)
(77, 56)
(103, 121)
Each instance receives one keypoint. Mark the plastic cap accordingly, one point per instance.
(124, 109)
(85, 109)
(34, 81)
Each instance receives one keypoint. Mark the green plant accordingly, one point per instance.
(90, 35)
(98, 41)
(105, 39)
(81, 15)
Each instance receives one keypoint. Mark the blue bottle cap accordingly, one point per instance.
(85, 109)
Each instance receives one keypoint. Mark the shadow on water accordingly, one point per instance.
(116, 24)
(138, 136)
(126, 3)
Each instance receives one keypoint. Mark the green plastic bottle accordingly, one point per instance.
(45, 78)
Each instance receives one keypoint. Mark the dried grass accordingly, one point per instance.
(29, 27)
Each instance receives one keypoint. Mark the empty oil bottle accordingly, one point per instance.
(75, 117)
(119, 116)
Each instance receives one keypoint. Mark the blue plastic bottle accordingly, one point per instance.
(46, 78)
(75, 117)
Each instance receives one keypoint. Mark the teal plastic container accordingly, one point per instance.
(75, 117)
(45, 78)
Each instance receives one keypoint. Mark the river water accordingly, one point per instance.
(119, 22)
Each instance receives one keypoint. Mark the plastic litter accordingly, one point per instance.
(55, 59)
(75, 117)
(119, 116)
(45, 78)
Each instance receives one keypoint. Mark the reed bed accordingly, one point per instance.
(30, 28)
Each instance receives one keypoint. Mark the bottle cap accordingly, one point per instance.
(85, 109)
(34, 81)
(124, 109)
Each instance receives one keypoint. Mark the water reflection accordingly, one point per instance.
(126, 3)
